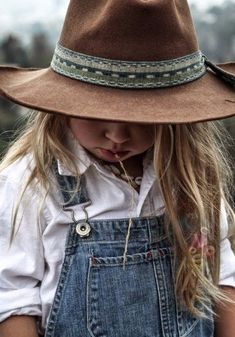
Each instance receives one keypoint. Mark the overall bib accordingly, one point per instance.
(97, 297)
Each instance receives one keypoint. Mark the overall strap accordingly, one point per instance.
(73, 189)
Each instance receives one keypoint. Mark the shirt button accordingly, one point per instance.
(83, 229)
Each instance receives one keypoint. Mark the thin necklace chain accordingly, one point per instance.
(135, 181)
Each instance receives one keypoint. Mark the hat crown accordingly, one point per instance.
(133, 30)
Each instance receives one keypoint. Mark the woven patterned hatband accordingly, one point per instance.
(128, 74)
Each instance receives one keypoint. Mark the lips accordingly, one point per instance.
(111, 154)
(120, 153)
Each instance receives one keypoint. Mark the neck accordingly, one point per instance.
(133, 165)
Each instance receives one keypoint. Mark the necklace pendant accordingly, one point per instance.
(138, 180)
(134, 181)
(126, 178)
(115, 170)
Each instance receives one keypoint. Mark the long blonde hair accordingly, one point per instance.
(194, 176)
(192, 167)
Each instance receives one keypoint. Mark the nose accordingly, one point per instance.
(118, 133)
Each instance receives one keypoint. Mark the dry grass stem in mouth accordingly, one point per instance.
(130, 208)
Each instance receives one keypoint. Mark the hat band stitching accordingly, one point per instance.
(128, 74)
(99, 62)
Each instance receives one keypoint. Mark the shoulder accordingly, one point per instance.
(18, 171)
(26, 201)
(14, 181)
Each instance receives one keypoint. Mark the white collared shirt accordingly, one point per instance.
(30, 267)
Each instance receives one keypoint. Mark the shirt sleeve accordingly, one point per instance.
(21, 262)
(227, 256)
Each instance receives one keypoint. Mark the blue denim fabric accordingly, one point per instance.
(97, 297)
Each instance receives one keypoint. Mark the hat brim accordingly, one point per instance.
(207, 98)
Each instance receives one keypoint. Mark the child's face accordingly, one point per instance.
(112, 140)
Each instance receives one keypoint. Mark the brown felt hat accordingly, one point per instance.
(127, 60)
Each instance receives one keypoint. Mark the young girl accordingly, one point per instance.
(114, 200)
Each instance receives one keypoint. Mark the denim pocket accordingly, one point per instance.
(118, 299)
(138, 300)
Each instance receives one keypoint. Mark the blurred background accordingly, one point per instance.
(29, 30)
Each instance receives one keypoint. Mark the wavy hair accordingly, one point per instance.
(192, 168)
(195, 177)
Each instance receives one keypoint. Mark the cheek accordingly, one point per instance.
(147, 135)
(78, 126)
(85, 131)
(75, 129)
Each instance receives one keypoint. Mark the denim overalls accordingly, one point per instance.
(97, 297)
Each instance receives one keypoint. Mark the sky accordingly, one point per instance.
(205, 3)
